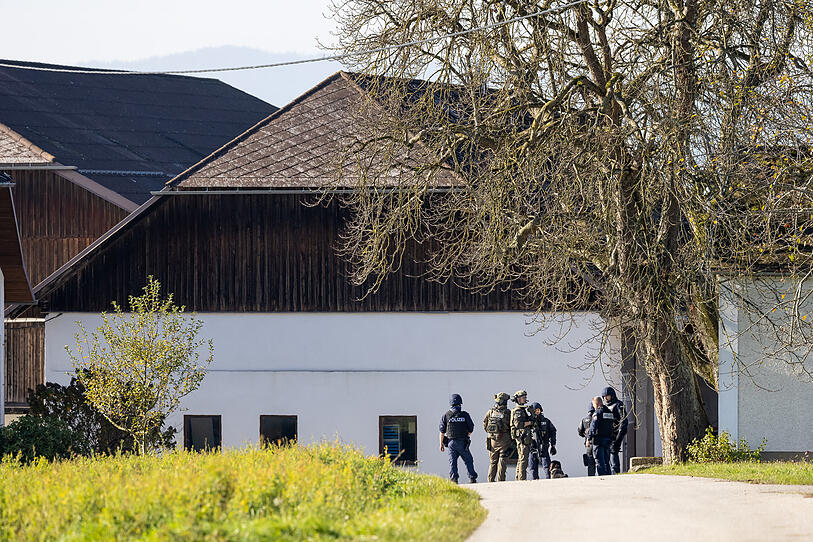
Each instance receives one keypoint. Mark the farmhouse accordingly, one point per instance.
(14, 285)
(86, 149)
(299, 351)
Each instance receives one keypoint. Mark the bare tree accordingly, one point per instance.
(615, 154)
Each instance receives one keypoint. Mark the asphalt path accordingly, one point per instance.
(644, 507)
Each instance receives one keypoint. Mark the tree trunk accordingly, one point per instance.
(678, 404)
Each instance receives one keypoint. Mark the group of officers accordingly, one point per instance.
(526, 428)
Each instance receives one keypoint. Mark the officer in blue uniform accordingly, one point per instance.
(456, 427)
(619, 429)
(543, 438)
(584, 426)
(601, 435)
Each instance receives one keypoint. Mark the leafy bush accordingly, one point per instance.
(721, 449)
(322, 492)
(38, 436)
(69, 404)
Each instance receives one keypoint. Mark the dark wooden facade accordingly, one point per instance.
(25, 353)
(247, 253)
(57, 219)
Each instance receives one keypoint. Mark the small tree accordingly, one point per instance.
(137, 366)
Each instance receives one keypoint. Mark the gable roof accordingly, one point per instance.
(291, 149)
(129, 133)
(17, 287)
(300, 145)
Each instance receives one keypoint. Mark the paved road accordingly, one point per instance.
(644, 507)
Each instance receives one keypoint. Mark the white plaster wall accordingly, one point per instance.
(339, 372)
(763, 395)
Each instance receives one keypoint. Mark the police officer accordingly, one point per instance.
(543, 437)
(601, 435)
(456, 427)
(497, 424)
(521, 432)
(584, 426)
(619, 429)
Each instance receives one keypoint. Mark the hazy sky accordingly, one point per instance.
(78, 31)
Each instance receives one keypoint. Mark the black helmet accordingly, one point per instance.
(455, 400)
(608, 391)
(534, 406)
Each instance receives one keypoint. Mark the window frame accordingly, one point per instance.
(410, 417)
(187, 443)
(296, 426)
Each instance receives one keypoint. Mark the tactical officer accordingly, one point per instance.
(543, 442)
(456, 427)
(619, 429)
(497, 424)
(521, 432)
(601, 435)
(584, 426)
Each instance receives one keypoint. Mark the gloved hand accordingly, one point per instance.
(616, 447)
(552, 449)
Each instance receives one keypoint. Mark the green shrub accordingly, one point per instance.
(721, 449)
(37, 436)
(323, 492)
(69, 404)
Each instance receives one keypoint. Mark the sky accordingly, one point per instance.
(176, 34)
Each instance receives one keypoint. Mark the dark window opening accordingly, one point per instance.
(201, 433)
(398, 438)
(277, 429)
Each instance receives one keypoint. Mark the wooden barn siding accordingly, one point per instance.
(57, 219)
(265, 253)
(25, 355)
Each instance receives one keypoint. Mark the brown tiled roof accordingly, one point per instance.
(15, 149)
(300, 146)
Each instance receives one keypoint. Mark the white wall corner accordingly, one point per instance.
(728, 377)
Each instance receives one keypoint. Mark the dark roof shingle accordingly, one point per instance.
(145, 123)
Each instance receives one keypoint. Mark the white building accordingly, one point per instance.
(766, 362)
(298, 350)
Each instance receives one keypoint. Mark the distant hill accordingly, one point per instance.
(277, 86)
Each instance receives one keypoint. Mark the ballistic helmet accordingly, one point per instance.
(455, 400)
(534, 406)
(608, 391)
(501, 398)
(518, 394)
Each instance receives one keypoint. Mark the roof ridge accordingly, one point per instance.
(175, 181)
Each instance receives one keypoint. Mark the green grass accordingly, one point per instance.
(321, 492)
(785, 473)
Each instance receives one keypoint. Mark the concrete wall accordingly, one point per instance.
(339, 372)
(765, 347)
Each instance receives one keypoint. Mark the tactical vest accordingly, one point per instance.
(456, 425)
(616, 408)
(585, 428)
(543, 427)
(606, 422)
(499, 421)
(518, 430)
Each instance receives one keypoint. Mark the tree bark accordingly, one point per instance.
(678, 404)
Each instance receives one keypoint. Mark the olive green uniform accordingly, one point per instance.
(522, 437)
(497, 424)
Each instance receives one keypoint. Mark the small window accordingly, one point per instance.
(398, 438)
(277, 429)
(201, 432)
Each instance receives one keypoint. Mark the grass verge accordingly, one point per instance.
(321, 492)
(785, 473)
